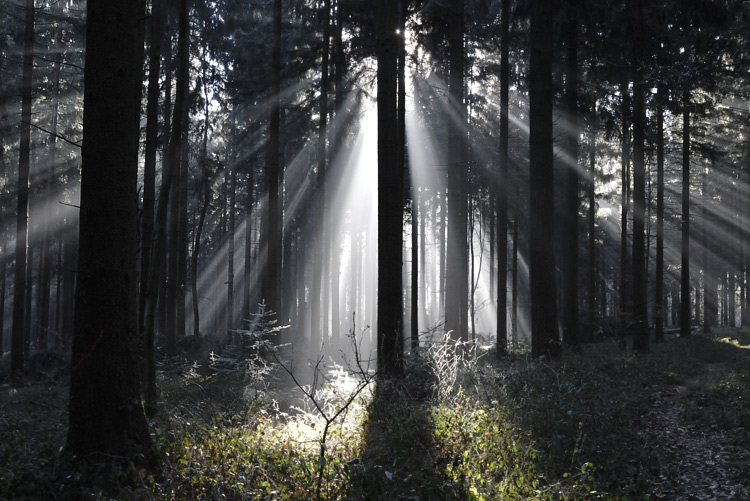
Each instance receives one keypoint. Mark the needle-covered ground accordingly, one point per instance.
(600, 424)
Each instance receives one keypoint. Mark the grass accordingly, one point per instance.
(455, 427)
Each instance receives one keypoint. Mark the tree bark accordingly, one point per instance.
(501, 197)
(457, 259)
(685, 306)
(390, 196)
(272, 230)
(659, 287)
(544, 334)
(570, 165)
(19, 327)
(155, 273)
(106, 418)
(640, 311)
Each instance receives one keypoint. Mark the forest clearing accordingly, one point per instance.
(600, 424)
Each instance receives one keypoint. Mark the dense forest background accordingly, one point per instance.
(650, 168)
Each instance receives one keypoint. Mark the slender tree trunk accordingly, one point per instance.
(182, 226)
(206, 190)
(230, 255)
(659, 287)
(156, 276)
(320, 236)
(594, 302)
(640, 311)
(151, 147)
(514, 287)
(625, 306)
(502, 191)
(570, 164)
(19, 327)
(544, 335)
(46, 256)
(685, 310)
(272, 230)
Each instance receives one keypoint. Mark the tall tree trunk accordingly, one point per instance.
(106, 418)
(46, 256)
(593, 302)
(390, 199)
(19, 327)
(170, 167)
(151, 147)
(272, 229)
(570, 165)
(457, 262)
(502, 190)
(640, 311)
(544, 335)
(659, 287)
(514, 287)
(685, 310)
(625, 307)
(317, 331)
(230, 254)
(710, 298)
(206, 191)
(182, 225)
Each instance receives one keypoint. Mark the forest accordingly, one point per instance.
(387, 249)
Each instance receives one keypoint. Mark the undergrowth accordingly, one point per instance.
(458, 425)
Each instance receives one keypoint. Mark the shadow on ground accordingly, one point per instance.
(399, 459)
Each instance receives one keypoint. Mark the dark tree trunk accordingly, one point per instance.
(570, 167)
(502, 190)
(182, 226)
(19, 327)
(640, 311)
(390, 197)
(625, 306)
(151, 147)
(106, 418)
(170, 167)
(272, 230)
(317, 331)
(594, 302)
(685, 306)
(659, 287)
(230, 255)
(457, 262)
(544, 335)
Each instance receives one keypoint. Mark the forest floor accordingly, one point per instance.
(600, 424)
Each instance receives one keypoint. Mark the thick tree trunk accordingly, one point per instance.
(106, 419)
(544, 334)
